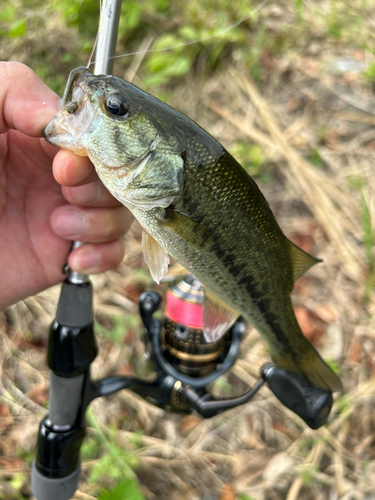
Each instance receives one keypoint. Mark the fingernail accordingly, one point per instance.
(69, 223)
(89, 193)
(93, 192)
(85, 262)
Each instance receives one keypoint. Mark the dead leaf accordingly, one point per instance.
(278, 426)
(331, 139)
(126, 369)
(4, 411)
(9, 463)
(303, 241)
(5, 416)
(310, 324)
(325, 313)
(359, 55)
(228, 493)
(189, 423)
(38, 393)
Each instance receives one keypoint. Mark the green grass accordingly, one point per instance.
(114, 464)
(176, 25)
(119, 328)
(127, 488)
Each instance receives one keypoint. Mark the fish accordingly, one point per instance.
(196, 204)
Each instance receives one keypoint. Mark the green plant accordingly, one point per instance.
(12, 27)
(369, 72)
(128, 488)
(316, 159)
(119, 327)
(115, 462)
(307, 474)
(253, 160)
(369, 243)
(298, 7)
(243, 496)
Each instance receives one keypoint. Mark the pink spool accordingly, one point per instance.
(186, 313)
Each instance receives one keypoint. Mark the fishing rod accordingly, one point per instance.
(71, 345)
(184, 363)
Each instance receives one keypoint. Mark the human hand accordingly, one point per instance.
(37, 224)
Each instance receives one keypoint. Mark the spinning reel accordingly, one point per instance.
(180, 354)
(184, 364)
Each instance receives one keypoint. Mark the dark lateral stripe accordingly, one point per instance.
(276, 330)
(263, 307)
(246, 281)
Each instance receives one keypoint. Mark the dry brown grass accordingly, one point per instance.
(262, 449)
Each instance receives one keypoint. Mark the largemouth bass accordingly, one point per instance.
(195, 203)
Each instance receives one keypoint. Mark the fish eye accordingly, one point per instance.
(116, 106)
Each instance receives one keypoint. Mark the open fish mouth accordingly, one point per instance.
(72, 121)
(72, 80)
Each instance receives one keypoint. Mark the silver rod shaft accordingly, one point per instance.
(74, 276)
(107, 37)
(105, 50)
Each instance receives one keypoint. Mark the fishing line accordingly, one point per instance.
(220, 33)
(96, 38)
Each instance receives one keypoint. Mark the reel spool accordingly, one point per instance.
(182, 336)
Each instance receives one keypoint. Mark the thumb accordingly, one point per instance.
(26, 102)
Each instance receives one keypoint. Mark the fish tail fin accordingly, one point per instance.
(312, 367)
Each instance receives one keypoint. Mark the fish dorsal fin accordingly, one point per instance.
(155, 256)
(301, 261)
(218, 317)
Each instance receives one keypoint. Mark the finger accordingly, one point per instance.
(72, 170)
(26, 101)
(92, 259)
(90, 195)
(93, 225)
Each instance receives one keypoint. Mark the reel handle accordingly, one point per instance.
(313, 404)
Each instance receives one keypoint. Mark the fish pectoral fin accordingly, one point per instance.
(217, 317)
(155, 256)
(301, 260)
(188, 229)
(146, 204)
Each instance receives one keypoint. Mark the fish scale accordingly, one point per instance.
(196, 204)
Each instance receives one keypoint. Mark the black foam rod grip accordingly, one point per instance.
(313, 404)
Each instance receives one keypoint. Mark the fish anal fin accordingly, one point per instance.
(217, 317)
(301, 260)
(155, 256)
(188, 229)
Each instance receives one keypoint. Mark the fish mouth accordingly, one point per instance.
(75, 116)
(65, 130)
(72, 79)
(58, 135)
